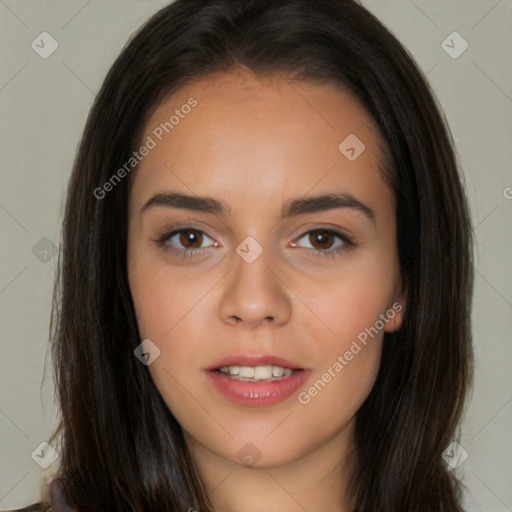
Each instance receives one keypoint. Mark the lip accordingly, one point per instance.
(256, 360)
(256, 394)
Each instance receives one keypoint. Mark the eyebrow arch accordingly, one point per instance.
(291, 208)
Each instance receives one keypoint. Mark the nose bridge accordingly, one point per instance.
(254, 293)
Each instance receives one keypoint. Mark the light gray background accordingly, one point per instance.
(43, 106)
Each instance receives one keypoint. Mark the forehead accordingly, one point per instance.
(258, 134)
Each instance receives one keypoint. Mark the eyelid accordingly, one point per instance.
(168, 231)
(346, 239)
(342, 232)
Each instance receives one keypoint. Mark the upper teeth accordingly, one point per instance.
(256, 372)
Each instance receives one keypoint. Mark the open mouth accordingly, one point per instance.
(256, 380)
(267, 373)
(257, 385)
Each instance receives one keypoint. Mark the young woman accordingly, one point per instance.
(265, 280)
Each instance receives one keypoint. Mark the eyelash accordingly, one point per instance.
(169, 232)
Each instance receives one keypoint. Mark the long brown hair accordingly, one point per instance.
(121, 447)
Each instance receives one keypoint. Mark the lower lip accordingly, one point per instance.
(257, 394)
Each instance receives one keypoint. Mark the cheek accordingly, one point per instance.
(351, 301)
(347, 355)
(347, 362)
(165, 300)
(172, 310)
(350, 358)
(169, 311)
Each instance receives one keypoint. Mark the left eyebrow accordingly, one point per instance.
(324, 202)
(291, 208)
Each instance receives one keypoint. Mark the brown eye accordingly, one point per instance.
(326, 242)
(321, 239)
(187, 240)
(191, 238)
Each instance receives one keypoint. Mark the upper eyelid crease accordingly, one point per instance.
(291, 208)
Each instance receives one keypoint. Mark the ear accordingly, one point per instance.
(395, 312)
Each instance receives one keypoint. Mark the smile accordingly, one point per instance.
(256, 373)
(256, 386)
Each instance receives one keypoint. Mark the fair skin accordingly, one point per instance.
(256, 143)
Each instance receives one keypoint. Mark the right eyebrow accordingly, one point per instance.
(188, 202)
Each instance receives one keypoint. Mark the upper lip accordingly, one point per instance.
(255, 360)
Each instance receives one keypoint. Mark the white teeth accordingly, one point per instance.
(246, 371)
(277, 371)
(255, 373)
(263, 372)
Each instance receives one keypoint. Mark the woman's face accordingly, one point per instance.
(263, 280)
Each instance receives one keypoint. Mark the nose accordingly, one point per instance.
(254, 294)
